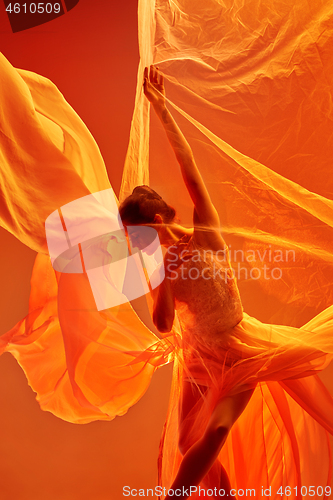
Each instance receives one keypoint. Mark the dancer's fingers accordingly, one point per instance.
(155, 74)
(161, 81)
(151, 74)
(185, 237)
(187, 256)
(145, 79)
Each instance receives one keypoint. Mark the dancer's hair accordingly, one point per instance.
(142, 206)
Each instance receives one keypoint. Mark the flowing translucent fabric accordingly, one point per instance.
(249, 83)
(83, 364)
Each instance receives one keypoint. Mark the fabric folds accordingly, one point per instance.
(79, 362)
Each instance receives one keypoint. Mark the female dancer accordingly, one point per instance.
(144, 206)
(224, 357)
(94, 365)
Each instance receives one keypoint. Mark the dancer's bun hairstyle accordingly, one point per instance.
(142, 206)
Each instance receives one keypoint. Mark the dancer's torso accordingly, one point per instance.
(206, 295)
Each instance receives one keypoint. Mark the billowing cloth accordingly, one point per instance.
(83, 364)
(225, 352)
(250, 84)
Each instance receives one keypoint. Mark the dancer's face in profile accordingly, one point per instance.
(137, 237)
(143, 235)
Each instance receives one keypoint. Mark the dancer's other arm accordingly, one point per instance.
(164, 302)
(205, 214)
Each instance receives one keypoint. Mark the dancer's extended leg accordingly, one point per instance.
(199, 459)
(216, 480)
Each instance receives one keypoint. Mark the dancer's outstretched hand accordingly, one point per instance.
(153, 87)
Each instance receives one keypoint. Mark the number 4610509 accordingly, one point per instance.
(34, 8)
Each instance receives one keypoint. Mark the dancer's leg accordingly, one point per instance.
(201, 456)
(192, 399)
(217, 477)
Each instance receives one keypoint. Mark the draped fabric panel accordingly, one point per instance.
(83, 364)
(250, 84)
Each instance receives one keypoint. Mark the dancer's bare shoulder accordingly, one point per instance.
(207, 234)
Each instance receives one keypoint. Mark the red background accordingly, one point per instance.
(91, 54)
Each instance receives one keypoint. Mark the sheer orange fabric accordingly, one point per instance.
(251, 86)
(44, 147)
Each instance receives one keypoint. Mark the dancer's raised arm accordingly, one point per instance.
(205, 212)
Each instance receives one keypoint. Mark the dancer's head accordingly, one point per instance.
(144, 207)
